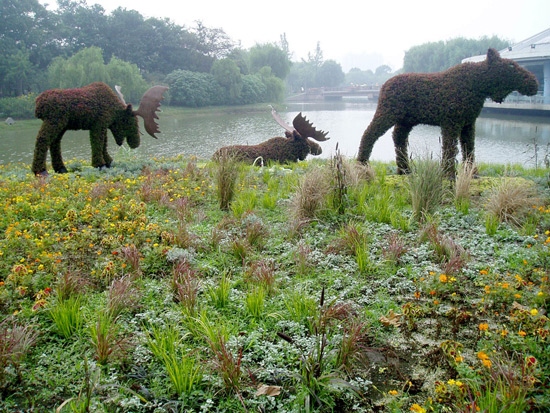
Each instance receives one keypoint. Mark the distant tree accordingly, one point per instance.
(274, 85)
(87, 66)
(439, 56)
(270, 55)
(240, 57)
(193, 89)
(83, 68)
(330, 74)
(254, 90)
(227, 74)
(285, 47)
(213, 42)
(26, 44)
(128, 77)
(382, 70)
(316, 58)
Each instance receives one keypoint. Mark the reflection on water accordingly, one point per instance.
(503, 139)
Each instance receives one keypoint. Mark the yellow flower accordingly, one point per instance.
(482, 355)
(443, 278)
(418, 409)
(534, 312)
(483, 272)
(487, 363)
(393, 392)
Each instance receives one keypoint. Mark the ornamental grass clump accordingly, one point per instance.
(309, 195)
(463, 181)
(227, 172)
(15, 342)
(510, 200)
(67, 316)
(426, 187)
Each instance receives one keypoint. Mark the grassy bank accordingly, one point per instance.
(164, 285)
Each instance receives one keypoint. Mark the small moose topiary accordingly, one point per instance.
(295, 146)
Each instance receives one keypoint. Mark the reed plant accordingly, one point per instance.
(16, 341)
(226, 175)
(219, 294)
(67, 316)
(426, 187)
(106, 338)
(463, 181)
(255, 302)
(182, 367)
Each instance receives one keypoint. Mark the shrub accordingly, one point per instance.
(21, 107)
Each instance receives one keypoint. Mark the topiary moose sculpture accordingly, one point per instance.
(452, 99)
(295, 146)
(95, 108)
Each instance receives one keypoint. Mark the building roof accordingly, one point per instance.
(536, 47)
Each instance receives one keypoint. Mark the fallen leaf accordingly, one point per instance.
(392, 319)
(268, 390)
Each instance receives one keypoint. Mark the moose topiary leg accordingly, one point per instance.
(467, 142)
(379, 126)
(47, 133)
(106, 157)
(400, 141)
(97, 142)
(55, 152)
(450, 150)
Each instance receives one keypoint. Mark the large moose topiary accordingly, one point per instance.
(95, 108)
(295, 146)
(452, 99)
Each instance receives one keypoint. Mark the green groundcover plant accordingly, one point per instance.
(137, 289)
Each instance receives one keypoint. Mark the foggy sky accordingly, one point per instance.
(364, 34)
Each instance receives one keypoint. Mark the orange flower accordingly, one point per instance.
(522, 333)
(484, 327)
(443, 278)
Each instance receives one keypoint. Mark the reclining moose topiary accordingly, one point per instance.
(452, 99)
(96, 108)
(295, 146)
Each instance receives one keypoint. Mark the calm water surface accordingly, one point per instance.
(503, 139)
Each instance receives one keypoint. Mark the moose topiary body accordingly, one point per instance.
(295, 146)
(452, 99)
(95, 108)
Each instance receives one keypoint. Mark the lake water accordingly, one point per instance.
(503, 139)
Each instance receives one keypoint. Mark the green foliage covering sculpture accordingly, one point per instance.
(96, 108)
(295, 146)
(452, 99)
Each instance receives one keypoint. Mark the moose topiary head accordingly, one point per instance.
(95, 108)
(452, 99)
(505, 76)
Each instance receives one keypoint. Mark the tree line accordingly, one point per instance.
(77, 43)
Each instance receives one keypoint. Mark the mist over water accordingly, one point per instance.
(503, 139)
